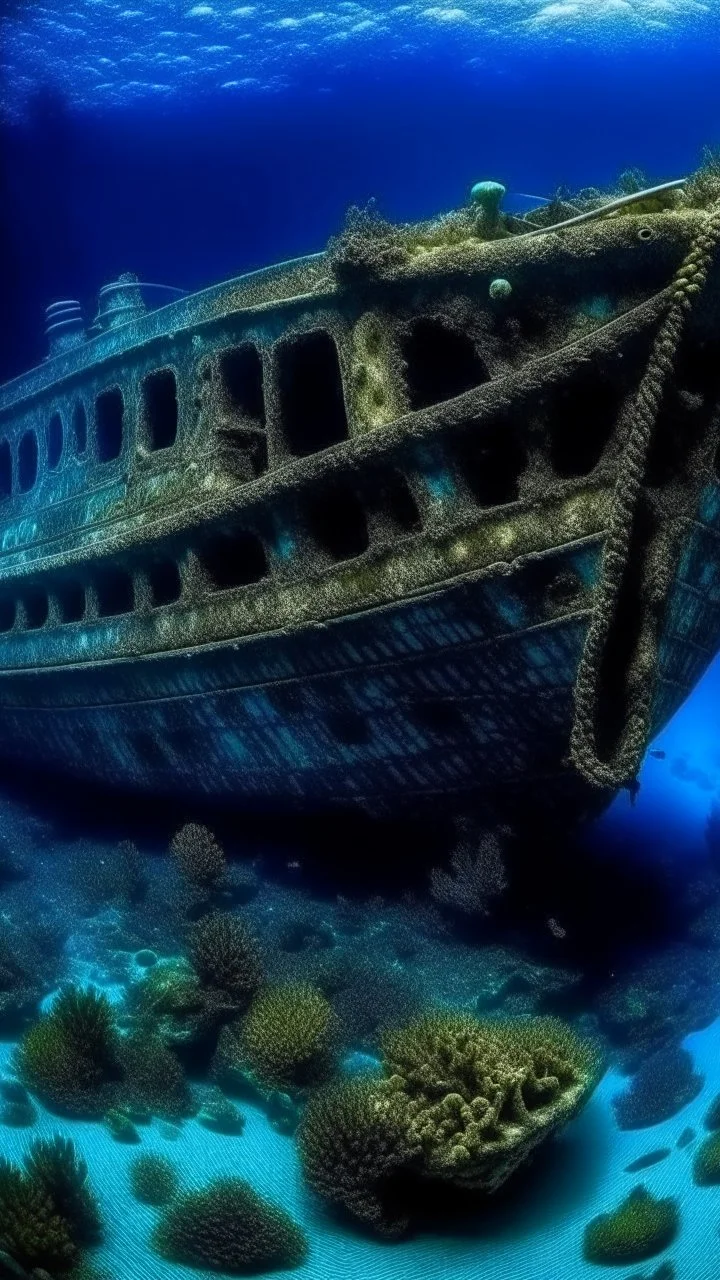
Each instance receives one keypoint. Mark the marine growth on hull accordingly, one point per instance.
(415, 542)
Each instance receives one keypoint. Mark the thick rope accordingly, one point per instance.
(687, 285)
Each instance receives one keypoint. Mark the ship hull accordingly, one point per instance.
(432, 699)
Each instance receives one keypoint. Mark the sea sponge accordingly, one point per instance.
(54, 1165)
(352, 1141)
(228, 1227)
(69, 1057)
(486, 198)
(479, 1096)
(226, 956)
(199, 857)
(153, 1179)
(639, 1228)
(665, 1083)
(121, 1126)
(289, 1038)
(706, 1165)
(153, 1079)
(221, 1115)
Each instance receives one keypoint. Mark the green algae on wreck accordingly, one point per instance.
(289, 540)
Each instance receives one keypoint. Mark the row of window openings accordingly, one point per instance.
(313, 411)
(114, 594)
(160, 416)
(441, 364)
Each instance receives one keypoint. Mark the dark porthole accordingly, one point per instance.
(349, 728)
(7, 613)
(115, 592)
(336, 520)
(234, 560)
(71, 601)
(109, 415)
(312, 404)
(147, 749)
(398, 503)
(241, 379)
(79, 423)
(438, 715)
(54, 441)
(27, 461)
(165, 583)
(583, 415)
(492, 459)
(36, 609)
(5, 470)
(441, 363)
(160, 409)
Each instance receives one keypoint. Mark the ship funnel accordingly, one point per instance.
(63, 326)
(119, 303)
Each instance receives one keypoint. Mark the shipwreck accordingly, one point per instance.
(433, 516)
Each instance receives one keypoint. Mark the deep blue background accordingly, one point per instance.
(201, 190)
(204, 189)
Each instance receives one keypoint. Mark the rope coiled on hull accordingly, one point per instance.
(621, 770)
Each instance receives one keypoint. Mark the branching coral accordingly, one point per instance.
(47, 1210)
(54, 1165)
(69, 1057)
(639, 1228)
(153, 1179)
(32, 1231)
(226, 957)
(479, 1096)
(199, 857)
(367, 248)
(352, 1141)
(476, 877)
(228, 1227)
(289, 1037)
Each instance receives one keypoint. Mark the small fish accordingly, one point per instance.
(657, 755)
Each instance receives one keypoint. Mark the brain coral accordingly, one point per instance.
(479, 1096)
(289, 1037)
(352, 1141)
(228, 1227)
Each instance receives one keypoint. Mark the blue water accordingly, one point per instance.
(191, 143)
